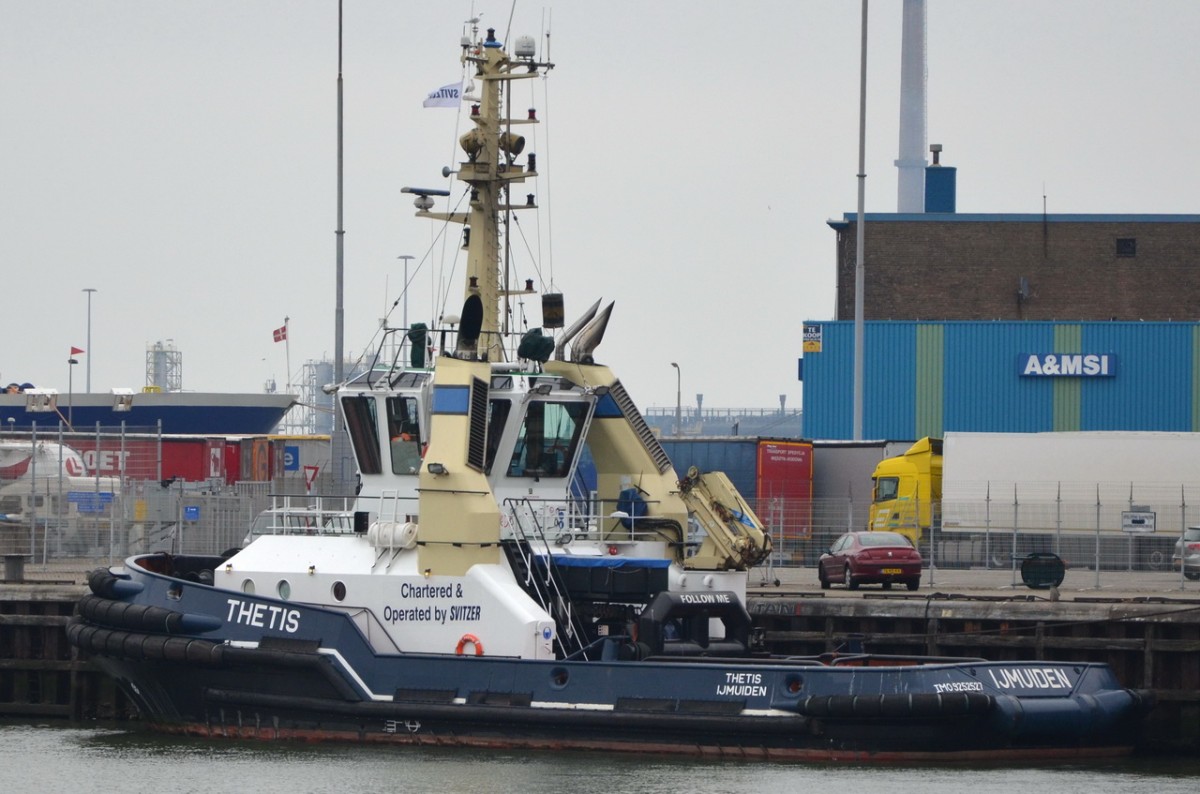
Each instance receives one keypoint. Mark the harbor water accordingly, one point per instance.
(58, 758)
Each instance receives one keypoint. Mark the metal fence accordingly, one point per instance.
(70, 502)
(1099, 536)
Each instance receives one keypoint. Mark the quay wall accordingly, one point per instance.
(41, 675)
(1151, 642)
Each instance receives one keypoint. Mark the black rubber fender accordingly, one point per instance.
(138, 646)
(203, 652)
(135, 645)
(78, 633)
(93, 639)
(175, 649)
(965, 703)
(123, 614)
(112, 613)
(100, 581)
(106, 584)
(897, 706)
(114, 643)
(132, 647)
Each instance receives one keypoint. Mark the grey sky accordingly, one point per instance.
(180, 158)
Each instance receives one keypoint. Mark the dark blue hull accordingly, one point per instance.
(189, 670)
(185, 413)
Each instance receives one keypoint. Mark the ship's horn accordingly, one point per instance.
(473, 142)
(470, 325)
(591, 337)
(576, 327)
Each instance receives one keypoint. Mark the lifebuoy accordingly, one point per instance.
(471, 638)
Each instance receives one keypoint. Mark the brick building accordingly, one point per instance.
(946, 266)
(1017, 323)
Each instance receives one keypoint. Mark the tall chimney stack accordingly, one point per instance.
(913, 78)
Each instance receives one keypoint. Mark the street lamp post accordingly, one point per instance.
(678, 403)
(89, 291)
(71, 362)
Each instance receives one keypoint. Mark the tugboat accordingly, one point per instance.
(527, 570)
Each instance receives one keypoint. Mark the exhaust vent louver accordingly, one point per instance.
(638, 423)
(477, 434)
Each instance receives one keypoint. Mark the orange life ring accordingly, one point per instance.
(471, 638)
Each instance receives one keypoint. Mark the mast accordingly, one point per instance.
(482, 173)
(490, 171)
(339, 312)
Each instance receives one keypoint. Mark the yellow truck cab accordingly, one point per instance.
(907, 490)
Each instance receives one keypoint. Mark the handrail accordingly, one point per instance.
(548, 590)
(582, 652)
(583, 517)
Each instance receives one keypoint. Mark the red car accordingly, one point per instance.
(870, 558)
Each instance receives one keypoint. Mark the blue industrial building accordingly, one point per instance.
(926, 378)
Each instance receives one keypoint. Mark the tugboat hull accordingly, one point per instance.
(220, 684)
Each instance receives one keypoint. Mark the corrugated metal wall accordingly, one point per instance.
(928, 378)
(982, 388)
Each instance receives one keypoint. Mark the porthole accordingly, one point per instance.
(339, 591)
(793, 685)
(284, 589)
(248, 586)
(559, 677)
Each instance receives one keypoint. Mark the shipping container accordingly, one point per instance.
(775, 474)
(293, 462)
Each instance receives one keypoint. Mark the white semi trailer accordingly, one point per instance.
(1122, 497)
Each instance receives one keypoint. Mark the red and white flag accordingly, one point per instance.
(76, 350)
(280, 334)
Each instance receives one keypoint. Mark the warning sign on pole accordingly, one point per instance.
(310, 476)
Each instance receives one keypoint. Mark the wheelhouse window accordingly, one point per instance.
(362, 427)
(548, 439)
(404, 433)
(496, 420)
